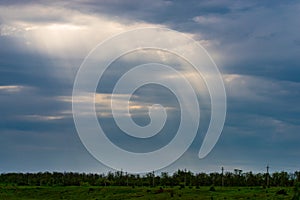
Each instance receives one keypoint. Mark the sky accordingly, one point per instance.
(255, 44)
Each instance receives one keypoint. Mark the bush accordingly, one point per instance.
(212, 189)
(296, 192)
(84, 184)
(281, 192)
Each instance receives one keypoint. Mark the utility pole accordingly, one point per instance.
(126, 179)
(184, 177)
(222, 176)
(153, 179)
(268, 181)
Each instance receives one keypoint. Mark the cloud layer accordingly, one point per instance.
(255, 44)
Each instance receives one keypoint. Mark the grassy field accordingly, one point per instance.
(141, 193)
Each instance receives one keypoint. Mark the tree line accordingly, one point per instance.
(180, 178)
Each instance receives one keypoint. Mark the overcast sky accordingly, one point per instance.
(256, 45)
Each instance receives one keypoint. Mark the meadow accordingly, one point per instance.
(142, 193)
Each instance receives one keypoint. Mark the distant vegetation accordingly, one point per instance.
(180, 178)
(180, 185)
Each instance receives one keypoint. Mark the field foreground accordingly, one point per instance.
(122, 192)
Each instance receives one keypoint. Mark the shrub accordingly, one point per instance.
(281, 192)
(296, 195)
(212, 189)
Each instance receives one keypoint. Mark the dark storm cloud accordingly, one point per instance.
(254, 37)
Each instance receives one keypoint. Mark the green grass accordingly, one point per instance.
(141, 193)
